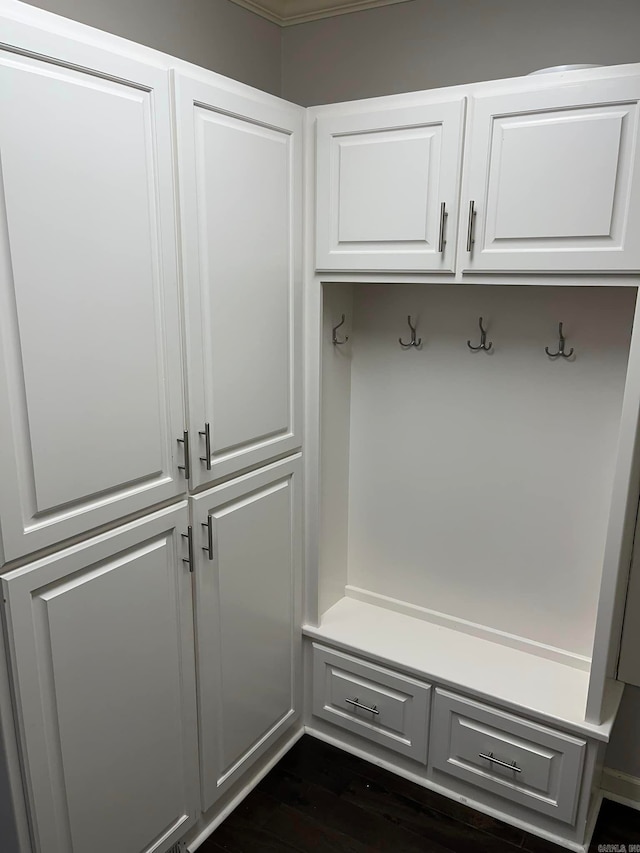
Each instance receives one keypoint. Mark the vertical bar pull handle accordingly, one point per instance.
(189, 537)
(207, 445)
(472, 216)
(443, 217)
(187, 462)
(209, 548)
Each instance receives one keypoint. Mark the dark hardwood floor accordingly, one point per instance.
(319, 799)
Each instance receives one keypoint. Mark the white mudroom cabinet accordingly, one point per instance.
(472, 388)
(150, 335)
(388, 185)
(547, 174)
(472, 439)
(550, 183)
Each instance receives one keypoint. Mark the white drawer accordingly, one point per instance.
(385, 707)
(514, 758)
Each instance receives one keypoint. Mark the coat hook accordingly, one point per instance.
(561, 343)
(334, 339)
(413, 342)
(483, 340)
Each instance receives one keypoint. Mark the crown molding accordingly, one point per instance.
(286, 13)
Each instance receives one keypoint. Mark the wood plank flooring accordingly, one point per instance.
(319, 799)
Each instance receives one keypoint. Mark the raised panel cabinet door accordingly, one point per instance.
(553, 181)
(101, 643)
(248, 586)
(240, 169)
(387, 188)
(90, 365)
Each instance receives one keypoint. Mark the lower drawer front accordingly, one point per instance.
(383, 706)
(514, 758)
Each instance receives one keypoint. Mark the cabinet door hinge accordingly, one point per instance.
(187, 462)
(189, 537)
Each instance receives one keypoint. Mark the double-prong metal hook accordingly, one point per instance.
(413, 342)
(483, 340)
(334, 338)
(561, 343)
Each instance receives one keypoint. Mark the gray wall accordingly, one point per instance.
(423, 44)
(215, 34)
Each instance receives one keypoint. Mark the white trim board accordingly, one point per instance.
(244, 791)
(472, 628)
(286, 13)
(421, 780)
(621, 788)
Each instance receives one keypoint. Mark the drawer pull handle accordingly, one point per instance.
(494, 760)
(357, 704)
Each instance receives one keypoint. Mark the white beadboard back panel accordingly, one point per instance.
(479, 483)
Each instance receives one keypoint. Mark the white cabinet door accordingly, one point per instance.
(240, 171)
(248, 579)
(101, 640)
(387, 188)
(90, 369)
(553, 181)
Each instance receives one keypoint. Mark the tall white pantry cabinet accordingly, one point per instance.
(469, 513)
(151, 427)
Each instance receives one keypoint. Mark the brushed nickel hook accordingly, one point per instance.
(413, 342)
(334, 338)
(483, 340)
(561, 343)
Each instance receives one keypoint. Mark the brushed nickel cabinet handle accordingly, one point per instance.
(209, 547)
(357, 704)
(493, 760)
(443, 217)
(187, 462)
(472, 216)
(189, 537)
(207, 445)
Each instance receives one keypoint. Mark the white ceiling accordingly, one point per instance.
(288, 12)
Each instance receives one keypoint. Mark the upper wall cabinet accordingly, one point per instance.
(240, 167)
(388, 185)
(552, 180)
(90, 370)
